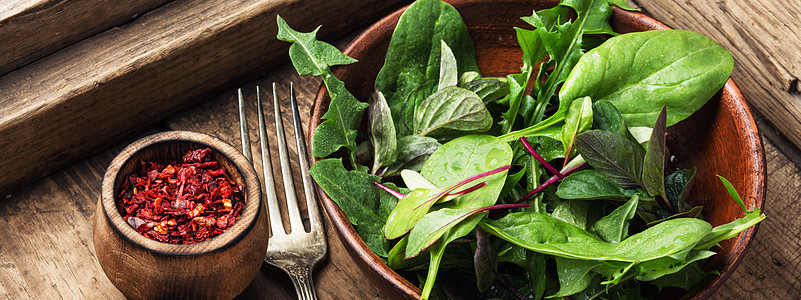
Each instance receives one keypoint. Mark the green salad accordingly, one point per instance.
(548, 183)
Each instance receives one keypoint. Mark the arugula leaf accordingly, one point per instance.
(354, 192)
(310, 56)
(617, 158)
(413, 57)
(381, 131)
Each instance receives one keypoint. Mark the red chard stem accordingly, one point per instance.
(540, 159)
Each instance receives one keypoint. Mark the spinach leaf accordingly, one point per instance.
(545, 234)
(591, 185)
(606, 117)
(354, 192)
(448, 71)
(413, 151)
(344, 113)
(653, 269)
(409, 211)
(578, 119)
(467, 156)
(435, 224)
(451, 110)
(488, 89)
(574, 276)
(615, 227)
(573, 212)
(687, 278)
(617, 158)
(413, 57)
(381, 131)
(653, 166)
(641, 72)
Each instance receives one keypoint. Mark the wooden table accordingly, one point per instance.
(46, 229)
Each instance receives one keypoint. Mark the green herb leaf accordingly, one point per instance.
(354, 192)
(381, 131)
(577, 120)
(592, 185)
(617, 158)
(544, 234)
(413, 57)
(653, 166)
(451, 110)
(641, 72)
(615, 227)
(413, 151)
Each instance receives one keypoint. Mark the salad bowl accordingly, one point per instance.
(719, 139)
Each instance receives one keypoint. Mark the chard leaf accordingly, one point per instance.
(653, 166)
(591, 185)
(467, 156)
(677, 187)
(354, 192)
(409, 211)
(578, 119)
(451, 110)
(545, 234)
(413, 151)
(574, 276)
(641, 72)
(413, 57)
(615, 227)
(381, 131)
(617, 158)
(448, 72)
(344, 112)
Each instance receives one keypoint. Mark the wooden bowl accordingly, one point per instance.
(218, 268)
(728, 144)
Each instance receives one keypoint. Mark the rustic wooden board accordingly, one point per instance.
(90, 94)
(33, 29)
(763, 37)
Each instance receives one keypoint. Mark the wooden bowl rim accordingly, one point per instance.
(231, 236)
(363, 254)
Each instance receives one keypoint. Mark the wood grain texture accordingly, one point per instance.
(68, 104)
(763, 36)
(33, 29)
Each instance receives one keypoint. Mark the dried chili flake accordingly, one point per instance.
(181, 203)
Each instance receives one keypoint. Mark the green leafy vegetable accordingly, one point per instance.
(614, 227)
(616, 157)
(451, 110)
(653, 168)
(381, 130)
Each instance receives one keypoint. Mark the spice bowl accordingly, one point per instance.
(720, 139)
(220, 267)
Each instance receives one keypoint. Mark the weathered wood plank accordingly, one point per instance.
(771, 269)
(33, 29)
(763, 37)
(68, 104)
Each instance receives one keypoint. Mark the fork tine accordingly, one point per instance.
(289, 185)
(267, 169)
(243, 128)
(303, 160)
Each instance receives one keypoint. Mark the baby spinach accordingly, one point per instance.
(381, 131)
(578, 119)
(451, 110)
(413, 57)
(413, 151)
(641, 72)
(614, 227)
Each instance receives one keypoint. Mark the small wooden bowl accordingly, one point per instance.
(721, 138)
(218, 268)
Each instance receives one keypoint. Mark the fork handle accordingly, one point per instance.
(302, 279)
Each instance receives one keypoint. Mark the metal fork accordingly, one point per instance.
(298, 251)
